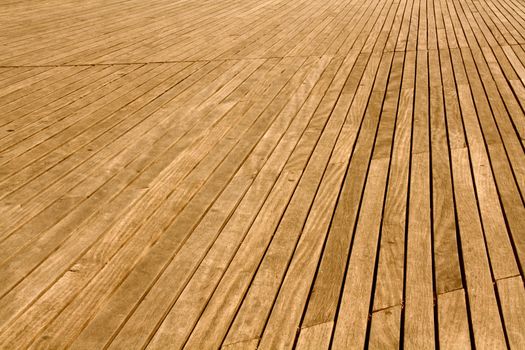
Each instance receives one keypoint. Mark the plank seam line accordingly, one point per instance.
(315, 325)
(388, 307)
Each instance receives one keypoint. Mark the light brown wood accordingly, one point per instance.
(262, 174)
(385, 329)
(453, 320)
(512, 299)
(419, 330)
(315, 337)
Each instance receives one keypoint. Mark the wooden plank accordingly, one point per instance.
(419, 298)
(315, 337)
(384, 329)
(447, 268)
(419, 276)
(512, 297)
(453, 320)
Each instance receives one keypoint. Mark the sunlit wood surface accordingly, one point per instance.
(262, 173)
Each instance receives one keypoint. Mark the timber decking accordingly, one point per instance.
(262, 173)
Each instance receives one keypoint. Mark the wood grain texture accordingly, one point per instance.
(453, 320)
(385, 329)
(262, 174)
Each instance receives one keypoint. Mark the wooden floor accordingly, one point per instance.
(262, 173)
